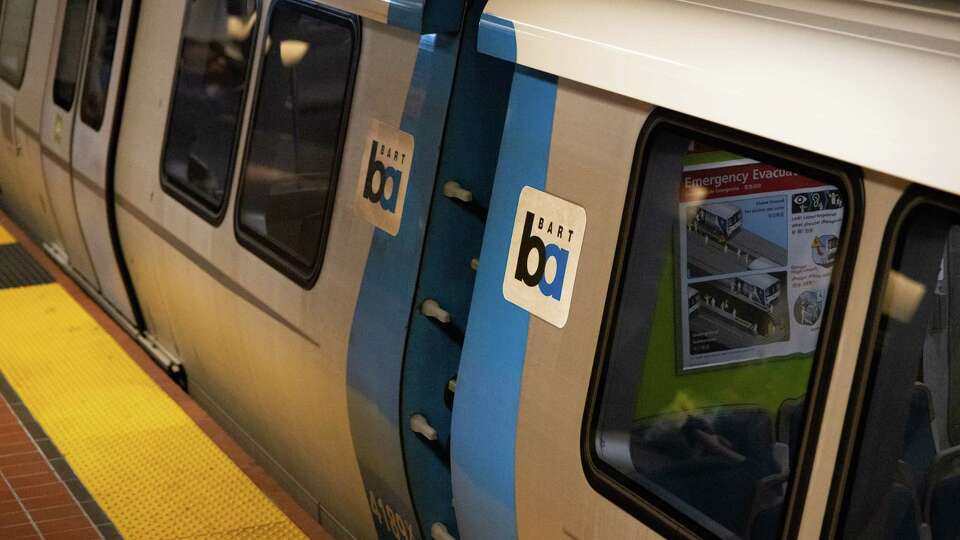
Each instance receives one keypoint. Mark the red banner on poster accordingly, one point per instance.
(739, 180)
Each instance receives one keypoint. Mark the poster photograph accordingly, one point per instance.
(756, 251)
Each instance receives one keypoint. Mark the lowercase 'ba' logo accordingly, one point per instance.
(385, 191)
(530, 243)
(382, 187)
(544, 254)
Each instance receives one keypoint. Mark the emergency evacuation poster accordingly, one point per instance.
(756, 249)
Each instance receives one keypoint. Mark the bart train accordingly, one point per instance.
(428, 260)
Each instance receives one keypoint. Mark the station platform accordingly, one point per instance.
(97, 442)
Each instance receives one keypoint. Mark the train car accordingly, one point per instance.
(603, 430)
(426, 260)
(292, 275)
(724, 220)
(763, 289)
(246, 186)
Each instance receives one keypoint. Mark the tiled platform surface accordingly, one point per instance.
(40, 497)
(45, 492)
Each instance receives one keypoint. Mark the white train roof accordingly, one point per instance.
(762, 281)
(726, 211)
(873, 83)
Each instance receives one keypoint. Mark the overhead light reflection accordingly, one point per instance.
(902, 297)
(239, 29)
(292, 51)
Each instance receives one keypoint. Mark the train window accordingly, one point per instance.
(902, 472)
(725, 275)
(289, 176)
(96, 82)
(15, 39)
(207, 103)
(70, 53)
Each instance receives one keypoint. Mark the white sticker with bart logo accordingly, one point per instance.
(384, 175)
(544, 254)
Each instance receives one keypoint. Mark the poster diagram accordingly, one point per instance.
(757, 246)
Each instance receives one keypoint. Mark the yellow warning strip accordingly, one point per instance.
(6, 238)
(148, 465)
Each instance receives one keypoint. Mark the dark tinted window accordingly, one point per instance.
(725, 274)
(293, 156)
(103, 44)
(207, 104)
(15, 39)
(905, 477)
(71, 52)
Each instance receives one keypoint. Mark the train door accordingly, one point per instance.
(94, 142)
(22, 37)
(59, 111)
(29, 68)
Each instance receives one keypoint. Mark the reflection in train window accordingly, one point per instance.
(712, 332)
(207, 102)
(96, 83)
(292, 161)
(70, 53)
(904, 478)
(15, 39)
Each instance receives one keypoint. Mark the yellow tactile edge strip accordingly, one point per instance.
(6, 237)
(149, 466)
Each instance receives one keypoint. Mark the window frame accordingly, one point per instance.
(865, 371)
(101, 116)
(263, 247)
(212, 216)
(81, 61)
(642, 503)
(26, 51)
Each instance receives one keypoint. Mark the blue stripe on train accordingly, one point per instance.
(426, 16)
(381, 320)
(497, 38)
(491, 366)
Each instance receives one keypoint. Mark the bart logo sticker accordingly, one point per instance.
(544, 254)
(382, 188)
